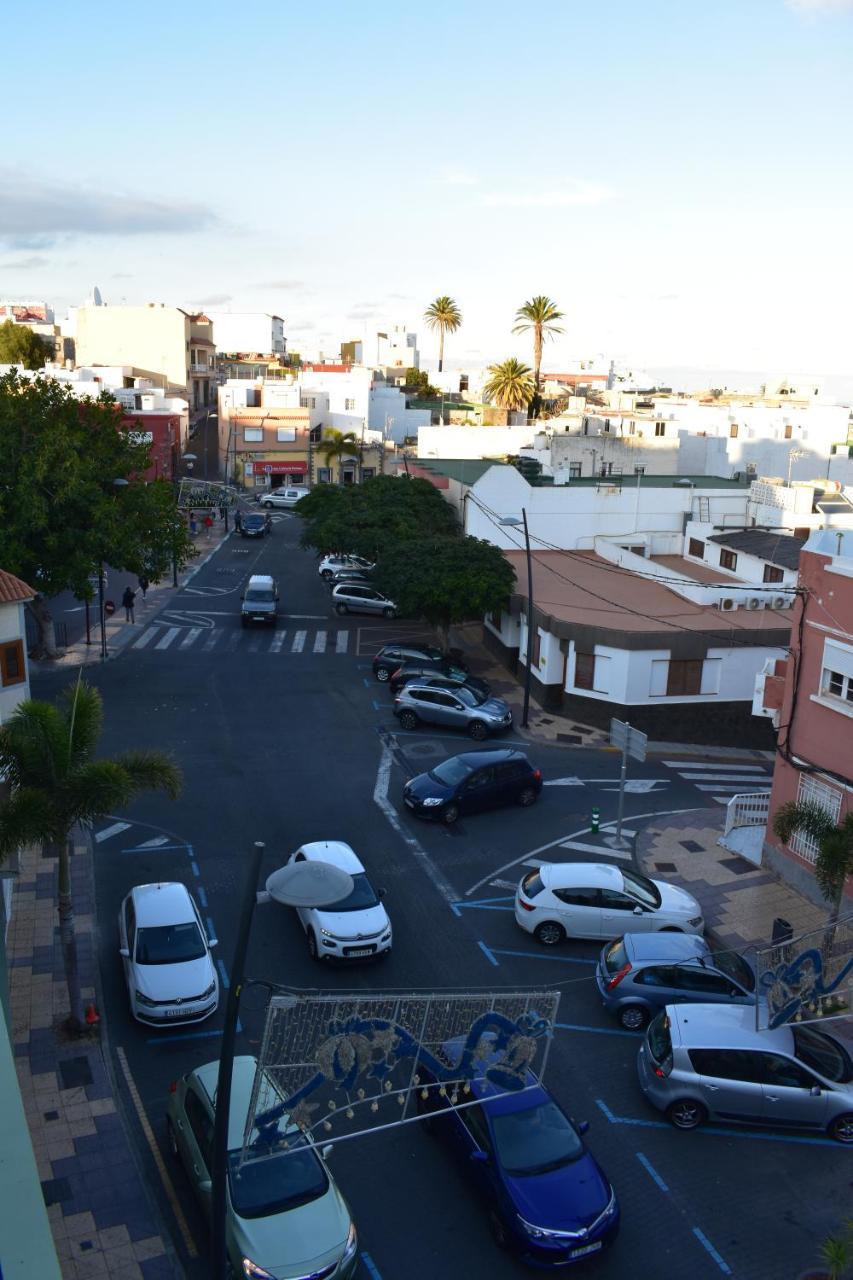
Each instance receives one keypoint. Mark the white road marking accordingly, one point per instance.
(108, 832)
(579, 847)
(298, 642)
(233, 641)
(342, 642)
(212, 642)
(728, 768)
(191, 637)
(736, 788)
(502, 884)
(152, 844)
(565, 782)
(168, 638)
(380, 797)
(277, 641)
(147, 637)
(320, 642)
(639, 786)
(254, 644)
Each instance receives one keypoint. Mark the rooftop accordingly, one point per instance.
(781, 549)
(465, 470)
(690, 569)
(659, 482)
(12, 589)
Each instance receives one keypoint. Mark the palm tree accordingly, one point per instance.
(444, 315)
(509, 384)
(47, 756)
(539, 314)
(340, 445)
(835, 845)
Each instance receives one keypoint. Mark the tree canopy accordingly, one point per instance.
(19, 345)
(539, 316)
(509, 384)
(443, 314)
(374, 517)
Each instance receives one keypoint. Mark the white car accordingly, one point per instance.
(356, 927)
(287, 496)
(330, 565)
(166, 955)
(596, 900)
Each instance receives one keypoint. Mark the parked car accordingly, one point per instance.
(641, 972)
(254, 525)
(546, 1195)
(461, 708)
(352, 597)
(284, 1214)
(703, 1062)
(283, 498)
(354, 928)
(562, 900)
(259, 602)
(392, 656)
(439, 675)
(330, 564)
(348, 575)
(471, 782)
(165, 952)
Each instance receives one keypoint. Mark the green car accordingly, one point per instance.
(286, 1217)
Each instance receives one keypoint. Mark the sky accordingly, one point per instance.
(677, 176)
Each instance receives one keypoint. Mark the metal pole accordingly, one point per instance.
(622, 774)
(529, 672)
(101, 610)
(218, 1173)
(88, 628)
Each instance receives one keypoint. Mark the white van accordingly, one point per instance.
(259, 600)
(286, 497)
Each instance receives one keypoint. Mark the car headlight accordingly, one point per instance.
(546, 1233)
(141, 999)
(351, 1246)
(431, 802)
(209, 992)
(610, 1208)
(694, 921)
(253, 1272)
(327, 933)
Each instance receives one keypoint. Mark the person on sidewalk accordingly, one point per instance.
(129, 600)
(143, 585)
(238, 520)
(208, 522)
(193, 525)
(223, 512)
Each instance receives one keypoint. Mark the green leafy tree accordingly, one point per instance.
(446, 579)
(835, 845)
(373, 518)
(19, 345)
(539, 316)
(443, 314)
(47, 754)
(418, 383)
(61, 512)
(337, 445)
(509, 384)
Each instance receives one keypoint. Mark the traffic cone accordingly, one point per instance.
(92, 1016)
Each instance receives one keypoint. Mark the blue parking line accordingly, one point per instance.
(714, 1131)
(598, 1031)
(706, 1243)
(651, 1170)
(543, 955)
(195, 869)
(211, 932)
(488, 954)
(378, 706)
(154, 848)
(223, 973)
(190, 1035)
(371, 1266)
(202, 896)
(484, 904)
(367, 683)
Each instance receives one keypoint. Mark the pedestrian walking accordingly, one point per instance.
(208, 522)
(238, 521)
(223, 512)
(193, 524)
(129, 600)
(143, 585)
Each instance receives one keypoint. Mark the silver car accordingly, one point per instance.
(461, 708)
(286, 497)
(703, 1062)
(353, 597)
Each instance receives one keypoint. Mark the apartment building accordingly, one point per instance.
(164, 344)
(248, 332)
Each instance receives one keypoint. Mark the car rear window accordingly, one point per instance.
(736, 968)
(615, 957)
(658, 1037)
(531, 885)
(823, 1054)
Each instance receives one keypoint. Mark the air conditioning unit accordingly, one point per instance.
(727, 603)
(782, 602)
(753, 603)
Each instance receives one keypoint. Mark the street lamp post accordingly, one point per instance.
(119, 484)
(514, 522)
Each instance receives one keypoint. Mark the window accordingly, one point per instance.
(788, 432)
(12, 668)
(696, 547)
(836, 677)
(684, 677)
(475, 1122)
(733, 430)
(316, 434)
(612, 900)
(606, 424)
(537, 647)
(772, 573)
(835, 683)
(367, 473)
(324, 475)
(632, 427)
(661, 976)
(727, 1064)
(286, 435)
(349, 405)
(253, 398)
(584, 670)
(776, 1069)
(689, 978)
(660, 428)
(496, 619)
(812, 791)
(639, 471)
(578, 897)
(574, 470)
(253, 435)
(728, 559)
(201, 1124)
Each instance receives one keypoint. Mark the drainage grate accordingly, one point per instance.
(691, 846)
(665, 866)
(75, 1072)
(737, 865)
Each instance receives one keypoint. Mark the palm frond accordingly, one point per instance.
(835, 859)
(807, 817)
(84, 710)
(96, 789)
(152, 771)
(34, 745)
(28, 817)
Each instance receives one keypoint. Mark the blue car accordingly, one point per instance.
(547, 1197)
(474, 781)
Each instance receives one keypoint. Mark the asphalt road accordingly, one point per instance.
(291, 743)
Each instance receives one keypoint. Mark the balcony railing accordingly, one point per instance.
(202, 368)
(749, 809)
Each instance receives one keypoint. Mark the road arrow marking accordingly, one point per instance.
(565, 782)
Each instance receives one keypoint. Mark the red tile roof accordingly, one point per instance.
(12, 589)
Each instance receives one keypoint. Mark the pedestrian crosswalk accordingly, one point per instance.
(722, 781)
(283, 640)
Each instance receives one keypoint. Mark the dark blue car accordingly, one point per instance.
(546, 1195)
(473, 781)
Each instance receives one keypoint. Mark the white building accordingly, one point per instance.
(396, 348)
(474, 441)
(247, 332)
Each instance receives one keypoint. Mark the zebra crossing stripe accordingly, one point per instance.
(191, 637)
(212, 641)
(233, 641)
(342, 642)
(320, 642)
(735, 787)
(725, 777)
(298, 642)
(147, 637)
(721, 768)
(254, 644)
(277, 641)
(167, 638)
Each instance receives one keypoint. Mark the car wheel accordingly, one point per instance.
(549, 933)
(408, 720)
(389, 613)
(841, 1128)
(340, 607)
(171, 1140)
(327, 574)
(527, 797)
(312, 945)
(477, 730)
(450, 814)
(383, 675)
(686, 1114)
(268, 505)
(633, 1017)
(498, 1230)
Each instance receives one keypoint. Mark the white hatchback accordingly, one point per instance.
(330, 565)
(168, 968)
(355, 928)
(596, 900)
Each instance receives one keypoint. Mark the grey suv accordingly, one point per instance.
(462, 708)
(703, 1062)
(641, 972)
(352, 597)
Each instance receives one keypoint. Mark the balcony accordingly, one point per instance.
(747, 816)
(201, 370)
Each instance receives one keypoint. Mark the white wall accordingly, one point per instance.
(388, 413)
(247, 331)
(749, 568)
(472, 442)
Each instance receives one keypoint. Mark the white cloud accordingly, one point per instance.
(820, 6)
(454, 177)
(581, 193)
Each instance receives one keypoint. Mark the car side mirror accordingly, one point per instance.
(123, 951)
(581, 1126)
(638, 911)
(814, 1091)
(326, 1151)
(479, 1157)
(383, 893)
(213, 942)
(204, 1186)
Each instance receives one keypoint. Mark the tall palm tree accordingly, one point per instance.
(540, 315)
(339, 445)
(47, 755)
(835, 846)
(444, 315)
(509, 384)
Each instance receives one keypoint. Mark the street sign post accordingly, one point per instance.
(632, 743)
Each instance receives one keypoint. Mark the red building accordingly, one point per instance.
(162, 432)
(812, 697)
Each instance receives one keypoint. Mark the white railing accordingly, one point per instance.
(749, 809)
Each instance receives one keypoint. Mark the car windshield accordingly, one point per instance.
(659, 1038)
(531, 885)
(253, 522)
(450, 772)
(736, 968)
(470, 696)
(537, 1140)
(281, 1181)
(823, 1054)
(615, 957)
(260, 595)
(640, 888)
(363, 896)
(169, 944)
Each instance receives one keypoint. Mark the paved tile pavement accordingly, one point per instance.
(102, 1220)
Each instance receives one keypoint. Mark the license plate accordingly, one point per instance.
(586, 1248)
(362, 951)
(178, 1013)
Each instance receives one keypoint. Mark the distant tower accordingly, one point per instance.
(95, 300)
